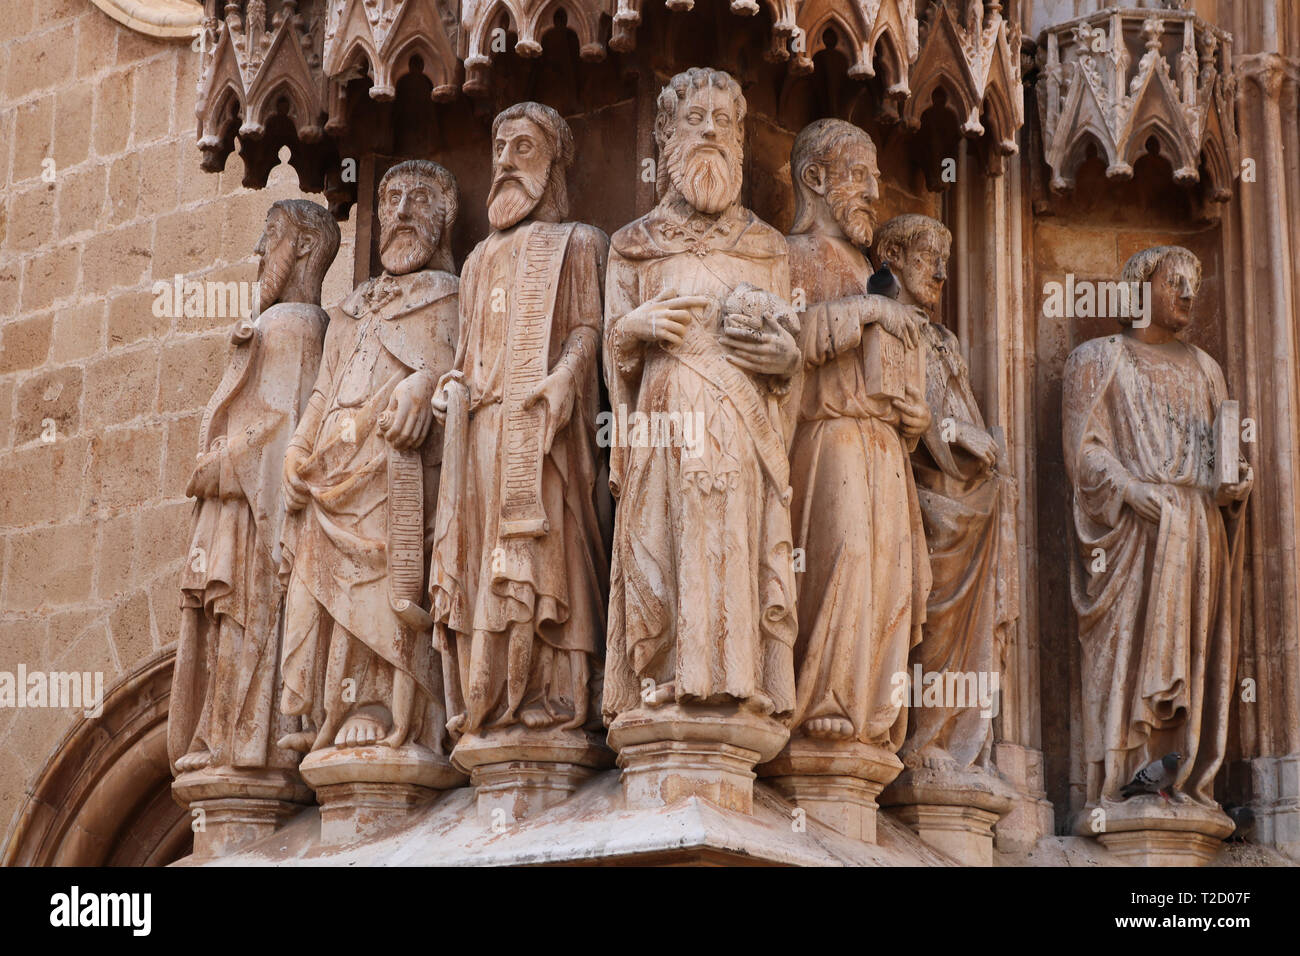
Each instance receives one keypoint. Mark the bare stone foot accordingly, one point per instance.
(829, 728)
(299, 742)
(194, 760)
(937, 760)
(398, 736)
(535, 717)
(660, 695)
(456, 724)
(361, 729)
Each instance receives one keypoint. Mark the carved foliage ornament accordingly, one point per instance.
(1118, 78)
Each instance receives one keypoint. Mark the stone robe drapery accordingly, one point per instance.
(1158, 603)
(483, 582)
(969, 514)
(702, 584)
(227, 656)
(337, 546)
(855, 512)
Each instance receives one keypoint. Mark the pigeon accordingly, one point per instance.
(1244, 818)
(1155, 777)
(884, 282)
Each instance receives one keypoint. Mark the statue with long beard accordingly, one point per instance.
(519, 563)
(702, 599)
(361, 480)
(223, 722)
(855, 512)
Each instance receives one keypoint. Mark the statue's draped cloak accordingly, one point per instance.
(702, 587)
(1158, 603)
(969, 514)
(337, 546)
(855, 512)
(227, 660)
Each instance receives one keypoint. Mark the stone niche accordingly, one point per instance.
(938, 88)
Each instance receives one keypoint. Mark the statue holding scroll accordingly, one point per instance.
(519, 564)
(1157, 503)
(223, 711)
(361, 476)
(968, 504)
(702, 593)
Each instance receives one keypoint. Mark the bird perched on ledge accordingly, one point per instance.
(1156, 777)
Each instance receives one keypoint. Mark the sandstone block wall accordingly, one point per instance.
(94, 524)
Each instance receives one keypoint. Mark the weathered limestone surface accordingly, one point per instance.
(721, 640)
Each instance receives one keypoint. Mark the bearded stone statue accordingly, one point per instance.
(702, 593)
(361, 480)
(223, 722)
(519, 563)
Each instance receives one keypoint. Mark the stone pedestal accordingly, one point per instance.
(834, 781)
(1030, 817)
(362, 790)
(1148, 831)
(676, 751)
(521, 772)
(230, 807)
(953, 811)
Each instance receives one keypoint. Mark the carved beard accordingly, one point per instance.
(708, 176)
(273, 274)
(512, 198)
(854, 216)
(404, 247)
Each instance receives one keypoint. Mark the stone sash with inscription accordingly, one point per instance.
(536, 280)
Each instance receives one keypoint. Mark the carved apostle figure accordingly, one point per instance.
(855, 510)
(223, 710)
(519, 566)
(702, 600)
(362, 474)
(1151, 452)
(968, 507)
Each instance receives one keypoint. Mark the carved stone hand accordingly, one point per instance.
(664, 318)
(773, 351)
(558, 392)
(410, 411)
(296, 492)
(913, 413)
(1146, 498)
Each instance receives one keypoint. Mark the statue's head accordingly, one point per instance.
(916, 248)
(417, 210)
(833, 168)
(532, 149)
(297, 246)
(1175, 277)
(700, 132)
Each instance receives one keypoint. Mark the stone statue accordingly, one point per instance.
(223, 718)
(520, 565)
(702, 600)
(361, 474)
(854, 512)
(968, 506)
(949, 791)
(1151, 445)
